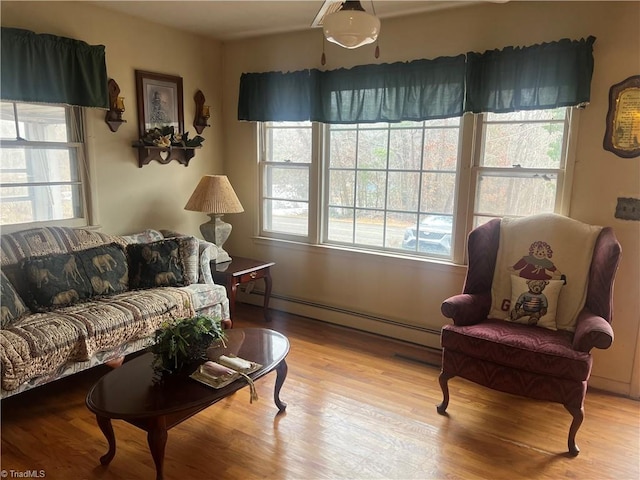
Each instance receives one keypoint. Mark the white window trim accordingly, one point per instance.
(564, 173)
(469, 150)
(84, 166)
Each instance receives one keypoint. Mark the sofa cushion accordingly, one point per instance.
(11, 305)
(54, 281)
(41, 241)
(523, 347)
(40, 343)
(156, 264)
(205, 295)
(146, 236)
(106, 267)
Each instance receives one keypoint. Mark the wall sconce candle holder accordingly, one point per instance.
(113, 118)
(202, 113)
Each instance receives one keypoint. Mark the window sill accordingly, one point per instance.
(391, 257)
(72, 223)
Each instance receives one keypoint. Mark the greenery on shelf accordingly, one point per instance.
(184, 341)
(167, 137)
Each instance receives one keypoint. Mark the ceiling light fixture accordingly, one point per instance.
(351, 26)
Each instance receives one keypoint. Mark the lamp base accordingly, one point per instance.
(217, 231)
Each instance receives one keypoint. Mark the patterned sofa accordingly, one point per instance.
(76, 298)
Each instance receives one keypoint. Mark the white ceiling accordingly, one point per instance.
(234, 19)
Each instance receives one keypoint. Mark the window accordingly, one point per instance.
(405, 187)
(520, 163)
(41, 164)
(384, 180)
(286, 177)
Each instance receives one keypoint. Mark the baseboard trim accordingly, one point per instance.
(612, 386)
(421, 335)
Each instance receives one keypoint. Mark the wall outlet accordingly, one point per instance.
(628, 209)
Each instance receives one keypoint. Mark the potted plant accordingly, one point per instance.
(167, 136)
(185, 341)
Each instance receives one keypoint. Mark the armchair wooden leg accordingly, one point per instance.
(578, 417)
(444, 379)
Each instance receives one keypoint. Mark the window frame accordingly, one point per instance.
(421, 171)
(564, 171)
(468, 170)
(76, 127)
(312, 236)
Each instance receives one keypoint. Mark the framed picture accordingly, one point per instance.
(159, 101)
(622, 135)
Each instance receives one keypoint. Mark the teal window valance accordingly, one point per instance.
(274, 96)
(418, 90)
(43, 68)
(549, 75)
(542, 76)
(369, 93)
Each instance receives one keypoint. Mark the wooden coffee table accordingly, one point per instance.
(130, 393)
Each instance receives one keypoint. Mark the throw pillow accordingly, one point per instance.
(188, 251)
(207, 252)
(12, 306)
(544, 247)
(55, 281)
(534, 302)
(106, 267)
(156, 264)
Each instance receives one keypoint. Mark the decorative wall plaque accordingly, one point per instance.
(622, 135)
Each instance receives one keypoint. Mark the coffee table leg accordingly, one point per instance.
(157, 439)
(281, 372)
(105, 425)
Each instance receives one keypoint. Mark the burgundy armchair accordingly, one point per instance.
(534, 362)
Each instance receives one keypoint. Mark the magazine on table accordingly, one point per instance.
(226, 369)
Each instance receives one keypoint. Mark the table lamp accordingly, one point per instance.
(214, 196)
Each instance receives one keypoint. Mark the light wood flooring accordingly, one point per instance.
(358, 408)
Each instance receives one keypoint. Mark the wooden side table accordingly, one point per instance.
(243, 270)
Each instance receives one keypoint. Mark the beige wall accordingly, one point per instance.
(129, 198)
(384, 294)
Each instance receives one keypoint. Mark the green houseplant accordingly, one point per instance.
(184, 341)
(167, 136)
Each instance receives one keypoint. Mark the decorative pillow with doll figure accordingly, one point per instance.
(546, 247)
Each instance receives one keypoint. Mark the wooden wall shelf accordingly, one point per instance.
(164, 155)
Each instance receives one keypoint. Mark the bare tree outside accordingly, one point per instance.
(393, 186)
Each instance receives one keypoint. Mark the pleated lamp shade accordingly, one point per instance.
(214, 194)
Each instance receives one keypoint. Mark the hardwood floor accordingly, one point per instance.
(358, 408)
